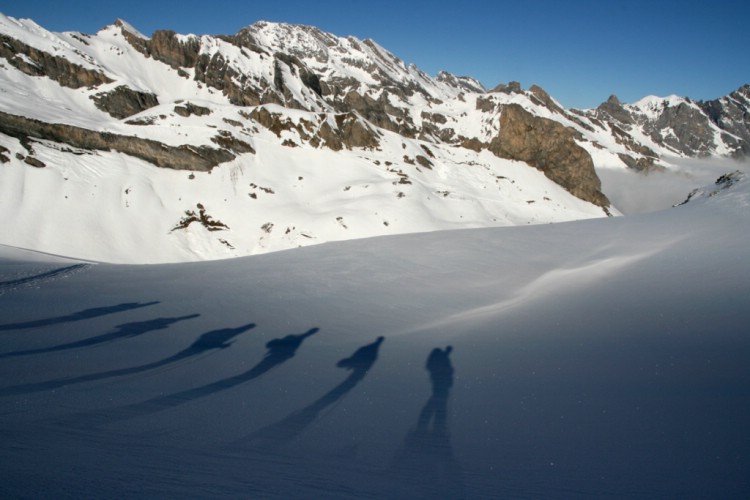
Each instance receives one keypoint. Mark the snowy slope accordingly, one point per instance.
(332, 138)
(600, 358)
(123, 209)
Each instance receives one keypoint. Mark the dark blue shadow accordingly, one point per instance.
(127, 330)
(279, 351)
(78, 316)
(61, 271)
(210, 341)
(279, 433)
(425, 464)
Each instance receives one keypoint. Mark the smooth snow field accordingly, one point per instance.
(605, 358)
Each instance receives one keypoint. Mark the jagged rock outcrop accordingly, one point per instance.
(464, 83)
(166, 46)
(229, 142)
(732, 114)
(541, 96)
(123, 101)
(200, 158)
(348, 130)
(36, 62)
(683, 128)
(613, 110)
(201, 218)
(550, 147)
(189, 109)
(679, 125)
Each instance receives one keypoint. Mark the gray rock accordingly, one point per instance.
(123, 101)
(191, 109)
(550, 147)
(201, 158)
(40, 63)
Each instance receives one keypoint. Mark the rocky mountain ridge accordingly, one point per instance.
(190, 102)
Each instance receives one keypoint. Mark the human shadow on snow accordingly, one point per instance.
(210, 341)
(425, 461)
(277, 434)
(279, 351)
(124, 331)
(77, 316)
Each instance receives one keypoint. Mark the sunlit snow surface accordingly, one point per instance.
(605, 358)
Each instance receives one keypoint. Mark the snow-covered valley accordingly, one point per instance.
(600, 358)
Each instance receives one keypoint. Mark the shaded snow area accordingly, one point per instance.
(604, 358)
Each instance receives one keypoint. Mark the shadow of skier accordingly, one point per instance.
(284, 431)
(279, 351)
(211, 341)
(124, 331)
(436, 409)
(425, 464)
(77, 316)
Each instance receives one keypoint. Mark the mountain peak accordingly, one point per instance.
(613, 100)
(126, 26)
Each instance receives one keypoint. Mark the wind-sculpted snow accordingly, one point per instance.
(603, 358)
(60, 272)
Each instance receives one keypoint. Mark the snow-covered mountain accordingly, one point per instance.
(126, 148)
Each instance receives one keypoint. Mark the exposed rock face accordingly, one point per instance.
(34, 162)
(682, 126)
(201, 218)
(732, 114)
(550, 147)
(167, 47)
(229, 142)
(39, 63)
(545, 100)
(123, 102)
(191, 109)
(509, 88)
(464, 83)
(200, 158)
(350, 131)
(614, 110)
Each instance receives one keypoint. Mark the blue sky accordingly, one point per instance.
(580, 51)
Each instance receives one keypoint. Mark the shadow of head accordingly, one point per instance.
(286, 347)
(363, 358)
(219, 339)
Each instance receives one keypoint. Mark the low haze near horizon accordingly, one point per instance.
(580, 51)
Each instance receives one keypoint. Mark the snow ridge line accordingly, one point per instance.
(62, 272)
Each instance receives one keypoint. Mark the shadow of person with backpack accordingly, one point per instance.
(425, 465)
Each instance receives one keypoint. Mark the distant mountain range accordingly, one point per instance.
(121, 147)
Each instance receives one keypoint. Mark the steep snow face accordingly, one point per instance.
(598, 358)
